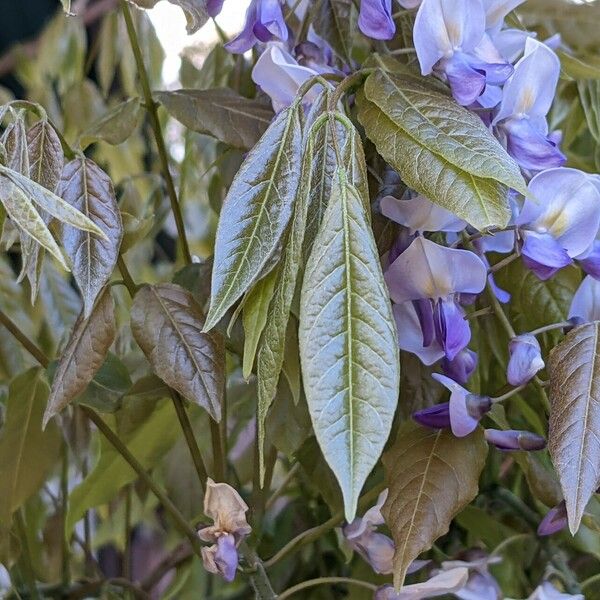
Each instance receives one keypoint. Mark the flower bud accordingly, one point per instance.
(462, 367)
(436, 417)
(525, 359)
(514, 440)
(554, 521)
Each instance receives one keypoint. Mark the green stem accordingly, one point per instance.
(64, 499)
(30, 346)
(122, 449)
(499, 311)
(158, 135)
(401, 51)
(127, 278)
(588, 583)
(325, 581)
(504, 262)
(552, 327)
(219, 465)
(508, 394)
(310, 535)
(28, 573)
(347, 83)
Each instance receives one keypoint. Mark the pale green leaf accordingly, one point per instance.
(574, 368)
(348, 346)
(256, 212)
(431, 476)
(116, 126)
(439, 148)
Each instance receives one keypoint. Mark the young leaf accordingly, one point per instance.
(256, 212)
(27, 454)
(86, 187)
(227, 116)
(439, 148)
(167, 324)
(116, 126)
(432, 476)
(85, 352)
(573, 441)
(254, 317)
(348, 346)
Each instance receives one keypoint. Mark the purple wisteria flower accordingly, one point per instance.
(555, 520)
(375, 19)
(228, 511)
(526, 99)
(462, 367)
(525, 359)
(214, 7)
(481, 585)
(441, 584)
(586, 301)
(560, 221)
(419, 214)
(450, 39)
(264, 22)
(511, 439)
(591, 262)
(432, 277)
(546, 591)
(375, 548)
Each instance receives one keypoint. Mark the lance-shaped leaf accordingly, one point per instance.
(431, 476)
(116, 125)
(573, 440)
(86, 187)
(439, 148)
(256, 212)
(348, 346)
(167, 324)
(27, 454)
(221, 113)
(272, 344)
(86, 350)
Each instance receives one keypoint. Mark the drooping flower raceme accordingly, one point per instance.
(228, 511)
(560, 221)
(526, 99)
(432, 277)
(449, 38)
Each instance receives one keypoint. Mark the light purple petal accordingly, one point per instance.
(445, 26)
(547, 591)
(497, 10)
(270, 16)
(461, 421)
(543, 255)
(467, 83)
(511, 439)
(591, 263)
(586, 300)
(434, 417)
(453, 331)
(530, 90)
(525, 359)
(445, 582)
(511, 43)
(554, 521)
(428, 270)
(246, 38)
(461, 367)
(214, 7)
(375, 19)
(481, 586)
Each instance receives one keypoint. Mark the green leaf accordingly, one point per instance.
(46, 158)
(574, 368)
(167, 324)
(576, 68)
(431, 476)
(221, 113)
(27, 454)
(148, 441)
(86, 187)
(535, 303)
(589, 94)
(254, 317)
(439, 148)
(348, 346)
(256, 212)
(116, 126)
(336, 22)
(83, 356)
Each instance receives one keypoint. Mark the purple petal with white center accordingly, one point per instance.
(531, 88)
(515, 440)
(565, 204)
(445, 26)
(420, 214)
(246, 38)
(586, 301)
(280, 76)
(427, 270)
(445, 582)
(533, 150)
(434, 417)
(554, 521)
(461, 367)
(525, 359)
(410, 335)
(461, 421)
(452, 330)
(375, 19)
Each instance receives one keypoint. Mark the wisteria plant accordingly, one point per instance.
(323, 323)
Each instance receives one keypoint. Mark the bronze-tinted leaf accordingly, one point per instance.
(116, 126)
(573, 439)
(46, 158)
(167, 324)
(86, 350)
(85, 186)
(227, 116)
(431, 476)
